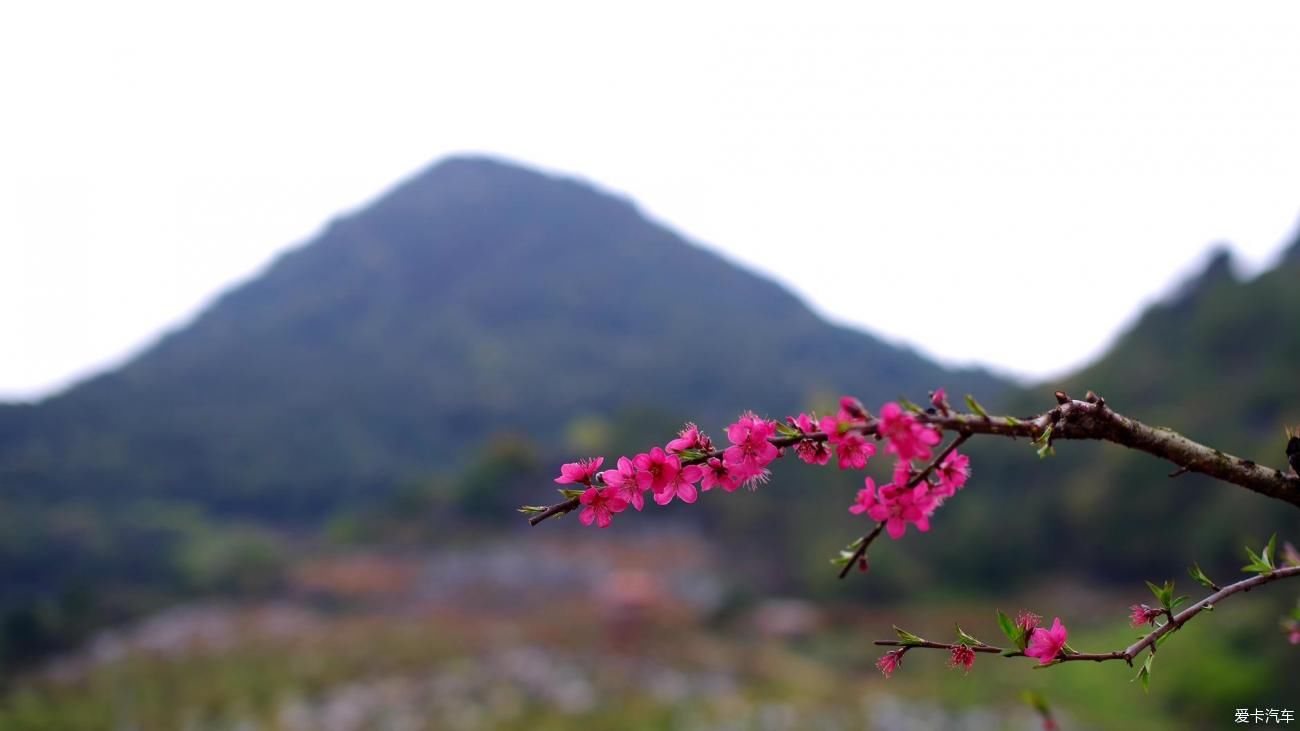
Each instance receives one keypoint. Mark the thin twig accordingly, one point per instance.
(924, 473)
(1176, 622)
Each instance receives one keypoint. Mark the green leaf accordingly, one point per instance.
(786, 430)
(1196, 573)
(902, 401)
(1013, 421)
(1260, 563)
(966, 639)
(571, 493)
(1009, 627)
(907, 637)
(1045, 439)
(1178, 602)
(1269, 550)
(974, 405)
(532, 509)
(1164, 594)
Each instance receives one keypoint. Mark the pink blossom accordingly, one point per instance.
(656, 469)
(852, 408)
(939, 400)
(717, 474)
(962, 656)
(1294, 636)
(1027, 621)
(812, 451)
(906, 437)
(625, 483)
(803, 422)
(866, 498)
(581, 471)
(1047, 644)
(690, 437)
(895, 505)
(750, 451)
(681, 485)
(890, 661)
(953, 472)
(601, 504)
(1142, 614)
(853, 452)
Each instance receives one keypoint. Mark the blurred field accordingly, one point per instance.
(640, 633)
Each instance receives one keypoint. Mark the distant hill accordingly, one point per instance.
(1219, 361)
(476, 298)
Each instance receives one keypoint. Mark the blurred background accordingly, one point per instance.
(299, 303)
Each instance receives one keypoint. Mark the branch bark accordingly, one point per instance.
(1073, 419)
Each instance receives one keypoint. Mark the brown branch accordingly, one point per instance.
(1127, 654)
(862, 548)
(1096, 421)
(924, 473)
(1073, 420)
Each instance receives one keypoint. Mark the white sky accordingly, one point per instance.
(938, 173)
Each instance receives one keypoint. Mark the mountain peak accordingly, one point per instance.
(1219, 268)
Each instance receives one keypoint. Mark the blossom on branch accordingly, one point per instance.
(717, 474)
(600, 505)
(890, 661)
(853, 452)
(579, 472)
(625, 483)
(962, 657)
(690, 437)
(655, 469)
(907, 437)
(952, 472)
(1047, 644)
(896, 505)
(1142, 614)
(681, 484)
(751, 449)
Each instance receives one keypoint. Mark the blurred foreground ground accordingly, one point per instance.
(646, 633)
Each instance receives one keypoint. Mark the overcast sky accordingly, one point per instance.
(936, 173)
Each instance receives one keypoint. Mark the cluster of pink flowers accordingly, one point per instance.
(690, 463)
(662, 471)
(907, 499)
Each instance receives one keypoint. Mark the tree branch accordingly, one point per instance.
(1071, 419)
(1133, 650)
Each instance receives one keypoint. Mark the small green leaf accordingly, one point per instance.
(1013, 421)
(786, 430)
(1164, 594)
(974, 405)
(532, 509)
(571, 493)
(1196, 573)
(1269, 550)
(1045, 439)
(1008, 627)
(1178, 602)
(965, 639)
(907, 637)
(902, 401)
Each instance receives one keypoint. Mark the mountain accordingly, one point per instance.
(474, 299)
(1217, 360)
